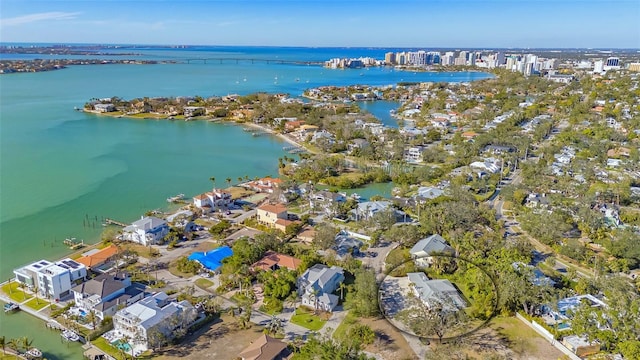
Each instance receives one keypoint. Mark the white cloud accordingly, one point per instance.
(26, 19)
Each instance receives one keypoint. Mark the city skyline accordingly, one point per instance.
(411, 24)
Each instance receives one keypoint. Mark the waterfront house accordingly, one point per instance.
(152, 318)
(52, 280)
(265, 348)
(317, 284)
(104, 108)
(215, 200)
(326, 200)
(190, 111)
(105, 293)
(273, 261)
(435, 292)
(266, 184)
(146, 231)
(423, 251)
(98, 257)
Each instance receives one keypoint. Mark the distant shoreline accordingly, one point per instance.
(266, 129)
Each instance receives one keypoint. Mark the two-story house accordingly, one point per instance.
(273, 216)
(317, 284)
(105, 293)
(213, 200)
(146, 231)
(52, 280)
(146, 320)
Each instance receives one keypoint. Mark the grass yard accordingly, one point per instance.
(12, 289)
(238, 192)
(102, 344)
(522, 340)
(204, 283)
(305, 318)
(37, 304)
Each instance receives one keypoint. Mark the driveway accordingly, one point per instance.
(291, 331)
(375, 258)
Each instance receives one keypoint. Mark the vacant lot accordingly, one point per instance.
(221, 340)
(389, 343)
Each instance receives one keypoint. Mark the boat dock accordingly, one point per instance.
(9, 307)
(176, 198)
(114, 222)
(73, 244)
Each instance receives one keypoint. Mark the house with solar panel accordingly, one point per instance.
(52, 280)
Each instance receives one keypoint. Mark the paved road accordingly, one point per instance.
(291, 331)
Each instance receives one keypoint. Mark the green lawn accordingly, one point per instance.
(344, 326)
(102, 344)
(204, 283)
(37, 303)
(13, 291)
(306, 319)
(8, 357)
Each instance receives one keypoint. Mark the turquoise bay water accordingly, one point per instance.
(61, 170)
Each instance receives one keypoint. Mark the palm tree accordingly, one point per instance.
(213, 180)
(26, 343)
(13, 344)
(228, 181)
(92, 318)
(2, 343)
(239, 179)
(342, 287)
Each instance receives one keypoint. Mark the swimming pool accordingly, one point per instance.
(121, 345)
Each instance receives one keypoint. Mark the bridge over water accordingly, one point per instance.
(250, 60)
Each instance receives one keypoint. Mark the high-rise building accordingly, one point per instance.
(598, 66)
(499, 59)
(613, 63)
(389, 58)
(472, 59)
(634, 67)
(448, 58)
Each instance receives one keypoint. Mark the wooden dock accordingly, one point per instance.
(114, 222)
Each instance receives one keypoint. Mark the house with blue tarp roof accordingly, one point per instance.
(212, 259)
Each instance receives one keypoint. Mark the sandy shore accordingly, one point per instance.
(267, 129)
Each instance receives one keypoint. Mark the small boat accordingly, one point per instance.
(8, 307)
(70, 335)
(34, 353)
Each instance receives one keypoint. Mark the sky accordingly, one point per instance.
(341, 23)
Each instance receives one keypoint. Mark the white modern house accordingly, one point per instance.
(146, 231)
(422, 252)
(105, 293)
(52, 280)
(437, 292)
(152, 319)
(317, 284)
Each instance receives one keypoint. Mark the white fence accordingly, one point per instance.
(547, 335)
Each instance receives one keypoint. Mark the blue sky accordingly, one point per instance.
(390, 23)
